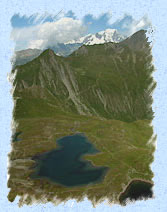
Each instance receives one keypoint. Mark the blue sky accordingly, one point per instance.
(156, 11)
(18, 21)
(39, 31)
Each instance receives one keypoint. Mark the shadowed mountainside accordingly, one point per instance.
(103, 91)
(111, 80)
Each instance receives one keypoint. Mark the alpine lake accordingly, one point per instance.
(65, 165)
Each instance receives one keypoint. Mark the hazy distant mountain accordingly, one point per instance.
(65, 49)
(103, 91)
(24, 56)
(110, 72)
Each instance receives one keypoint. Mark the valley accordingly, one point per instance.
(103, 91)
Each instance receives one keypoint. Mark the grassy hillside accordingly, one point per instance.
(111, 80)
(103, 91)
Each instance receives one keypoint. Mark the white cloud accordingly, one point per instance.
(134, 26)
(37, 44)
(63, 29)
(48, 33)
(143, 23)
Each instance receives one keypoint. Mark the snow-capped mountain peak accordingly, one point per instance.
(108, 35)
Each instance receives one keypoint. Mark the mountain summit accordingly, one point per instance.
(65, 49)
(108, 80)
(108, 35)
(102, 91)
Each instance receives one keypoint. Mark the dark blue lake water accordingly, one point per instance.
(65, 166)
(136, 190)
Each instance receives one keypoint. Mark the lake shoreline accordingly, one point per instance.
(134, 180)
(69, 153)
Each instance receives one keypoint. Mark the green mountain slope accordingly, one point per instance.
(103, 91)
(111, 80)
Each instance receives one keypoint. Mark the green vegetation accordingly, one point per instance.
(103, 91)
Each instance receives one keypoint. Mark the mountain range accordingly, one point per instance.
(65, 49)
(107, 80)
(101, 90)
(108, 35)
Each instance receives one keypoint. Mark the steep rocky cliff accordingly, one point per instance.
(111, 80)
